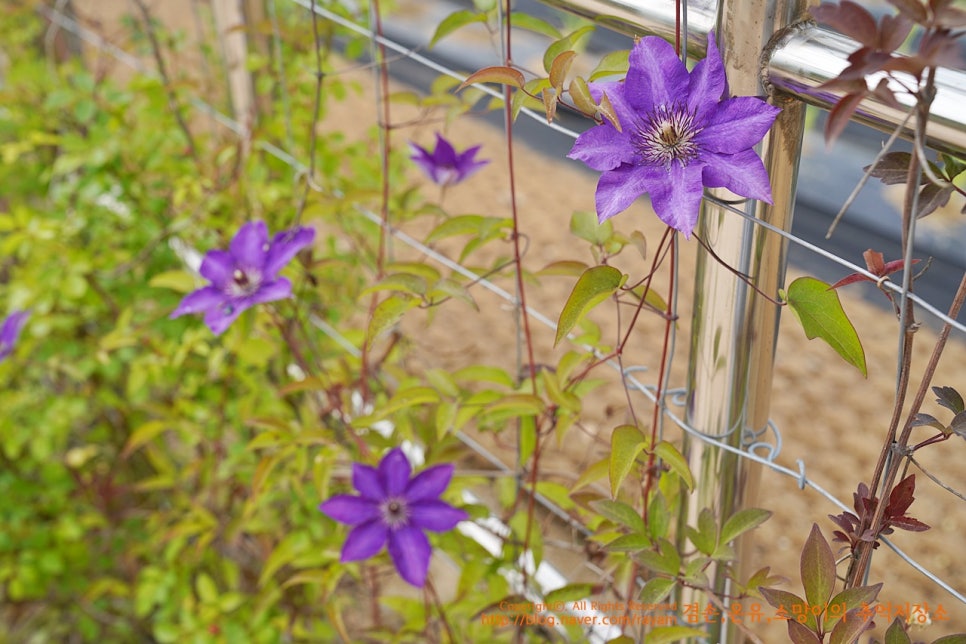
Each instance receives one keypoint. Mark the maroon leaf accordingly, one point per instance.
(950, 18)
(840, 115)
(926, 420)
(885, 94)
(958, 425)
(912, 9)
(817, 568)
(893, 31)
(949, 398)
(851, 19)
(932, 197)
(799, 634)
(901, 497)
(892, 168)
(909, 523)
(875, 265)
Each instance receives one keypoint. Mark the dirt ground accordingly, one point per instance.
(829, 417)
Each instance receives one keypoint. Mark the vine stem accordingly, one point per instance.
(385, 122)
(166, 80)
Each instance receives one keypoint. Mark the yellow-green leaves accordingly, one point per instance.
(626, 442)
(822, 316)
(594, 286)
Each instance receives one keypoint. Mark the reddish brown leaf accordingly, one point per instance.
(892, 168)
(932, 197)
(851, 19)
(873, 261)
(912, 9)
(839, 116)
(893, 31)
(950, 18)
(949, 398)
(901, 497)
(885, 94)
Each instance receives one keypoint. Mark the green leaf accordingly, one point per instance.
(584, 224)
(568, 268)
(673, 458)
(633, 542)
(667, 634)
(497, 74)
(656, 589)
(619, 512)
(180, 281)
(580, 95)
(821, 314)
(143, 434)
(398, 282)
(388, 313)
(626, 442)
(593, 473)
(742, 521)
(850, 599)
(615, 63)
(705, 537)
(817, 568)
(896, 634)
(567, 42)
(571, 592)
(534, 24)
(668, 561)
(454, 21)
(594, 286)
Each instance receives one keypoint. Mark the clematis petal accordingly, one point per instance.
(738, 124)
(353, 510)
(366, 480)
(429, 483)
(603, 148)
(708, 83)
(284, 247)
(394, 471)
(619, 188)
(742, 173)
(250, 244)
(219, 318)
(270, 292)
(410, 552)
(364, 541)
(437, 516)
(656, 76)
(203, 299)
(445, 153)
(677, 200)
(217, 267)
(467, 165)
(11, 331)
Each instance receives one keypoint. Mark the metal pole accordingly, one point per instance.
(734, 329)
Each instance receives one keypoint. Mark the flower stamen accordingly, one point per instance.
(395, 512)
(667, 135)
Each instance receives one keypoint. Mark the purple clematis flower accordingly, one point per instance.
(444, 165)
(678, 134)
(396, 509)
(10, 331)
(244, 275)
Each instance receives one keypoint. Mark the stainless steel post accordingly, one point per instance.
(734, 329)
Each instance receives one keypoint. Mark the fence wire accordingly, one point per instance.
(60, 20)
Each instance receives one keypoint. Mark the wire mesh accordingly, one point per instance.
(673, 398)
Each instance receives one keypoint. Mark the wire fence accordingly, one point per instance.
(761, 447)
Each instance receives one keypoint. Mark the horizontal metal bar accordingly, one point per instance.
(799, 62)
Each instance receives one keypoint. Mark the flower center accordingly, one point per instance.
(244, 282)
(667, 135)
(395, 512)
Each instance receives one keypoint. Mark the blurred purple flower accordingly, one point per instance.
(244, 275)
(10, 331)
(394, 509)
(444, 165)
(678, 135)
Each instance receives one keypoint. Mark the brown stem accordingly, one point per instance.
(166, 79)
